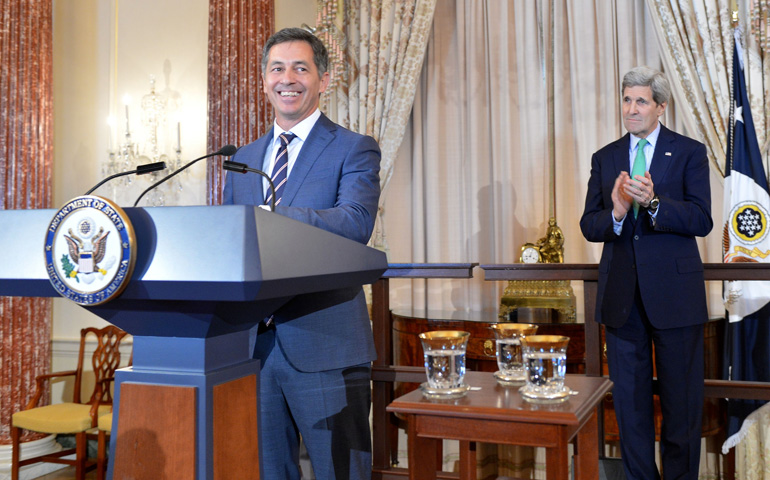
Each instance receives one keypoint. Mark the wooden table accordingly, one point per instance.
(498, 414)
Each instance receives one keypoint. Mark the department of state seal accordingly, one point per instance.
(90, 250)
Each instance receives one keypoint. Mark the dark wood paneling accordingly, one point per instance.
(236, 446)
(156, 432)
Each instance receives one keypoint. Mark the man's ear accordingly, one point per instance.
(325, 79)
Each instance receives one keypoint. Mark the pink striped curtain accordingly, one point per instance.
(238, 110)
(26, 157)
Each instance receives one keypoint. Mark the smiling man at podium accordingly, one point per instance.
(316, 350)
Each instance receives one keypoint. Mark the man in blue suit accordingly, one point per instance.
(651, 287)
(316, 350)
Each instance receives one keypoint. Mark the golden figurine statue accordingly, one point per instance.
(541, 294)
(552, 245)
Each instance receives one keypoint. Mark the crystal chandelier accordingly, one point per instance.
(128, 154)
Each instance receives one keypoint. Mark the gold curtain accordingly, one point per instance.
(751, 459)
(238, 110)
(26, 155)
(385, 44)
(696, 47)
(696, 40)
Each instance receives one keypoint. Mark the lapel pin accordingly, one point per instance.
(668, 154)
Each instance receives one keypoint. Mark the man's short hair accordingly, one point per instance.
(320, 55)
(649, 77)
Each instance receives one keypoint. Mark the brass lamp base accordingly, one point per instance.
(539, 294)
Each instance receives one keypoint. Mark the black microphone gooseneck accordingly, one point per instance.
(243, 168)
(140, 170)
(226, 151)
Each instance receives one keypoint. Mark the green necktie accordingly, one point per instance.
(640, 165)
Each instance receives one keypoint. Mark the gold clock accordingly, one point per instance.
(530, 253)
(545, 296)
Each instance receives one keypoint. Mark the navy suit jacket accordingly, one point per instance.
(334, 185)
(664, 258)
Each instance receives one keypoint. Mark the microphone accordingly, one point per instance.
(243, 168)
(140, 170)
(227, 150)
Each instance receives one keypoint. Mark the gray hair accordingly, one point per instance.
(649, 77)
(320, 55)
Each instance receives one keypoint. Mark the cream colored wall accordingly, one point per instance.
(81, 88)
(104, 50)
(294, 13)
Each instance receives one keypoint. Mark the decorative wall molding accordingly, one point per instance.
(30, 449)
(68, 348)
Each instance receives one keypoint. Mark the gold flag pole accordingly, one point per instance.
(551, 108)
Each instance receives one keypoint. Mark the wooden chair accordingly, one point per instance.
(74, 417)
(104, 426)
(105, 429)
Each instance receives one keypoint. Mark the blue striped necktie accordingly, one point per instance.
(281, 167)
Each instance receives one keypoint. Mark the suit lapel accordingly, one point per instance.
(664, 154)
(256, 189)
(320, 137)
(620, 155)
(621, 161)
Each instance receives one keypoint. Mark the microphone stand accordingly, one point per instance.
(243, 168)
(227, 150)
(140, 170)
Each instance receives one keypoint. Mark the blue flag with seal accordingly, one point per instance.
(745, 239)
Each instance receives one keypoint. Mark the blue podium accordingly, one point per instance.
(203, 277)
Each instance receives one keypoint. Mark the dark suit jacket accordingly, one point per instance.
(664, 259)
(334, 185)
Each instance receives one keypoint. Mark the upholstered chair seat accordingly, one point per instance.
(59, 418)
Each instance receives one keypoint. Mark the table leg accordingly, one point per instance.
(421, 452)
(587, 450)
(557, 460)
(467, 460)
